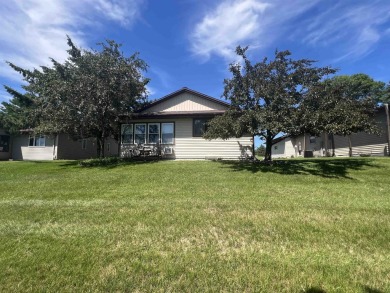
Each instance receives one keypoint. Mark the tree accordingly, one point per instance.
(18, 113)
(85, 95)
(341, 105)
(265, 97)
(260, 151)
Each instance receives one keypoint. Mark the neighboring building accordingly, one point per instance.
(328, 145)
(5, 145)
(57, 147)
(175, 123)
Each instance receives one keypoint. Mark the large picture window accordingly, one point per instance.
(153, 133)
(139, 133)
(199, 126)
(37, 141)
(4, 143)
(127, 133)
(167, 133)
(148, 133)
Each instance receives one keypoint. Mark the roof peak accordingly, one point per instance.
(175, 93)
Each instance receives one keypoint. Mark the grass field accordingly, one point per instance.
(304, 226)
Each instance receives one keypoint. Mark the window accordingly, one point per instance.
(4, 143)
(140, 133)
(108, 147)
(127, 133)
(84, 144)
(199, 127)
(148, 133)
(312, 139)
(167, 133)
(153, 133)
(37, 141)
(275, 147)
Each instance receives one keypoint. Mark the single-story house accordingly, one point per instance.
(175, 123)
(27, 146)
(328, 145)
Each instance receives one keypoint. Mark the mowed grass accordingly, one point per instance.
(303, 226)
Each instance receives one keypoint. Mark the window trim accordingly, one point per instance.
(34, 138)
(147, 132)
(205, 119)
(159, 133)
(174, 132)
(132, 133)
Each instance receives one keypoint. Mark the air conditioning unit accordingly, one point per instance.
(168, 151)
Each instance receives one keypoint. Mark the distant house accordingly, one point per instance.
(28, 146)
(175, 124)
(327, 145)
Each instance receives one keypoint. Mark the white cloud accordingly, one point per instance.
(124, 12)
(351, 27)
(150, 90)
(230, 23)
(34, 30)
(162, 76)
(247, 22)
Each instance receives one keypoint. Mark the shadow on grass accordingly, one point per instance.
(107, 163)
(368, 289)
(314, 290)
(328, 168)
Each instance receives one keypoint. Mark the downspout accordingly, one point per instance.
(253, 148)
(350, 145)
(11, 147)
(55, 144)
(388, 128)
(325, 143)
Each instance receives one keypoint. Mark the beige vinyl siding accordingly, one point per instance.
(283, 149)
(362, 143)
(341, 146)
(186, 102)
(188, 147)
(376, 145)
(69, 149)
(22, 151)
(197, 148)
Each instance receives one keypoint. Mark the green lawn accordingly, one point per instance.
(303, 226)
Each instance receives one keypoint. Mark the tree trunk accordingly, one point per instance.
(100, 146)
(253, 149)
(333, 147)
(268, 147)
(350, 145)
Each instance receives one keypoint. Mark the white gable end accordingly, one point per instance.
(186, 102)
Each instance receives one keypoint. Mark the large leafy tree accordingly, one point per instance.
(83, 96)
(265, 97)
(342, 105)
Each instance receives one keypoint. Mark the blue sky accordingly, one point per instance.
(191, 43)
